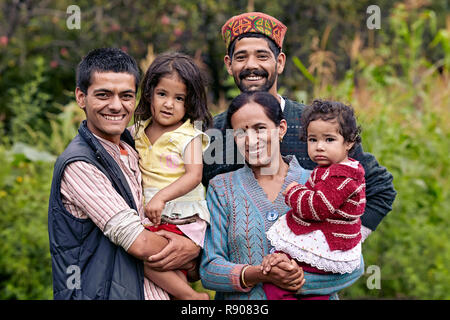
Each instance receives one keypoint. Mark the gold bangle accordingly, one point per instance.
(245, 285)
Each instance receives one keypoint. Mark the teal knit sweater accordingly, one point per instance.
(240, 216)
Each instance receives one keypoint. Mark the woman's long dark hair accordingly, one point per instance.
(184, 66)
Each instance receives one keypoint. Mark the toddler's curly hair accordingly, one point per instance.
(332, 110)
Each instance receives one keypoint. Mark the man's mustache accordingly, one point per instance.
(260, 73)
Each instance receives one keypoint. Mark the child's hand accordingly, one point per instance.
(291, 185)
(272, 260)
(154, 208)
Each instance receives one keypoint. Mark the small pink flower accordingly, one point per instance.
(54, 64)
(165, 20)
(4, 40)
(179, 10)
(124, 48)
(178, 32)
(115, 27)
(64, 52)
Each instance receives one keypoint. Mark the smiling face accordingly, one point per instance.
(108, 103)
(257, 137)
(325, 144)
(254, 66)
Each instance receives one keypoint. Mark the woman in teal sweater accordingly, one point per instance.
(245, 203)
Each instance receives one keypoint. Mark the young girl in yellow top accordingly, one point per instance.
(169, 120)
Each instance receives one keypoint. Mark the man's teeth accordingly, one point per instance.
(113, 118)
(254, 78)
(255, 151)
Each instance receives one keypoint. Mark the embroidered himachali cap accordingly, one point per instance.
(255, 22)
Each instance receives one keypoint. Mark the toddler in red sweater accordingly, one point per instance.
(322, 231)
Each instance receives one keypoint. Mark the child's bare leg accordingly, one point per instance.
(175, 283)
(201, 295)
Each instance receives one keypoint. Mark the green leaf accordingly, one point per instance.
(303, 70)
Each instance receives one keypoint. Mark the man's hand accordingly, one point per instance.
(176, 254)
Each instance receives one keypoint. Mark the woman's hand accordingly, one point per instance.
(271, 260)
(154, 208)
(287, 275)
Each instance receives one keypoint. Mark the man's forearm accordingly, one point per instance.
(125, 230)
(146, 245)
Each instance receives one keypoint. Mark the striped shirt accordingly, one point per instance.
(88, 193)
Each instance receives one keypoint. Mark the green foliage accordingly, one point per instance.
(64, 126)
(25, 267)
(30, 107)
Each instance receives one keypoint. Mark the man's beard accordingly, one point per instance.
(260, 73)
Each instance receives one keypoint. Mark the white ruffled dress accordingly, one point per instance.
(312, 248)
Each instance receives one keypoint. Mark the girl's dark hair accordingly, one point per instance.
(332, 110)
(105, 60)
(167, 64)
(270, 104)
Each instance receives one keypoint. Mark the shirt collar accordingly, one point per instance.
(111, 146)
(282, 102)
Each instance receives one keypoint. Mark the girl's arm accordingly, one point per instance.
(193, 163)
(320, 201)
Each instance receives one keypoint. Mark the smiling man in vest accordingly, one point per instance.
(95, 208)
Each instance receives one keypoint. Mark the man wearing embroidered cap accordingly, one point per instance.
(254, 58)
(254, 40)
(254, 22)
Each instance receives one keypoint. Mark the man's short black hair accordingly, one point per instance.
(105, 60)
(272, 45)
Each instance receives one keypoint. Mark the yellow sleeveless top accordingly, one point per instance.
(162, 163)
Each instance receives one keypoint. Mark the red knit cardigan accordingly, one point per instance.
(332, 200)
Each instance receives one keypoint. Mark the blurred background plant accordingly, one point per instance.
(397, 79)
